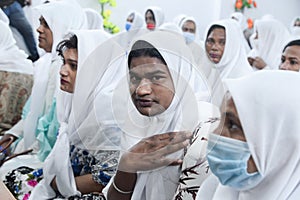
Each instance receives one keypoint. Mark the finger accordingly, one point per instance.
(171, 148)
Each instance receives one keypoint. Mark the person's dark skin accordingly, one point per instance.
(4, 144)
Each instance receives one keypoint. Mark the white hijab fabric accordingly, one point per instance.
(159, 15)
(61, 16)
(181, 115)
(295, 30)
(240, 18)
(138, 21)
(94, 19)
(3, 17)
(73, 127)
(233, 63)
(272, 37)
(272, 131)
(12, 59)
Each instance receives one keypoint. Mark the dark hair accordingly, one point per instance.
(151, 11)
(213, 27)
(70, 43)
(292, 43)
(142, 48)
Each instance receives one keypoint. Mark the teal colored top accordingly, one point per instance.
(47, 129)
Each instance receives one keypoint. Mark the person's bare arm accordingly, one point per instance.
(148, 154)
(85, 184)
(5, 140)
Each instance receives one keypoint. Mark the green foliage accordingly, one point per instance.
(106, 13)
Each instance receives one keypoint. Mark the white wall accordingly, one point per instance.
(205, 11)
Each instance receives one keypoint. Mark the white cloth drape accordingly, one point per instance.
(269, 118)
(158, 13)
(12, 59)
(72, 124)
(233, 63)
(182, 114)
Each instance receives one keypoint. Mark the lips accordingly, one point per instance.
(144, 102)
(63, 82)
(213, 55)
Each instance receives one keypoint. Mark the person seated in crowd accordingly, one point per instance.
(224, 47)
(154, 17)
(163, 91)
(16, 79)
(38, 127)
(254, 152)
(290, 59)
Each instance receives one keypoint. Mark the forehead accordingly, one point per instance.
(292, 51)
(217, 32)
(189, 23)
(70, 53)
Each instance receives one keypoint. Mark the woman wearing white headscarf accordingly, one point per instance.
(15, 79)
(38, 129)
(266, 166)
(134, 21)
(271, 36)
(154, 17)
(173, 109)
(94, 19)
(240, 18)
(227, 51)
(295, 28)
(88, 137)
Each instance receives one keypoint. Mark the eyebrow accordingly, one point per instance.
(233, 117)
(149, 73)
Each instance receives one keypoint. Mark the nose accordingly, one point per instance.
(144, 87)
(64, 70)
(39, 29)
(284, 66)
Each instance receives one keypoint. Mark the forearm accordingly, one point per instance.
(125, 182)
(85, 184)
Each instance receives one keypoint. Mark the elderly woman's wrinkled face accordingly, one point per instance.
(151, 85)
(231, 126)
(215, 44)
(68, 70)
(45, 35)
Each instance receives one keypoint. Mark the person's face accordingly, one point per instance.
(130, 18)
(231, 126)
(215, 44)
(68, 70)
(189, 26)
(45, 35)
(297, 23)
(149, 18)
(151, 85)
(290, 59)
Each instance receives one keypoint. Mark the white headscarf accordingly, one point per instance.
(61, 16)
(12, 59)
(158, 13)
(138, 20)
(240, 18)
(272, 36)
(181, 115)
(80, 127)
(3, 17)
(94, 19)
(233, 63)
(272, 131)
(295, 30)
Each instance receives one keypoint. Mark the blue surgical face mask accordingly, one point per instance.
(128, 26)
(228, 159)
(189, 37)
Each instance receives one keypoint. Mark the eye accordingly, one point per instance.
(134, 79)
(210, 41)
(282, 60)
(232, 126)
(293, 62)
(157, 78)
(73, 66)
(222, 42)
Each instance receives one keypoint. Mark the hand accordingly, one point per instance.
(250, 60)
(150, 153)
(259, 63)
